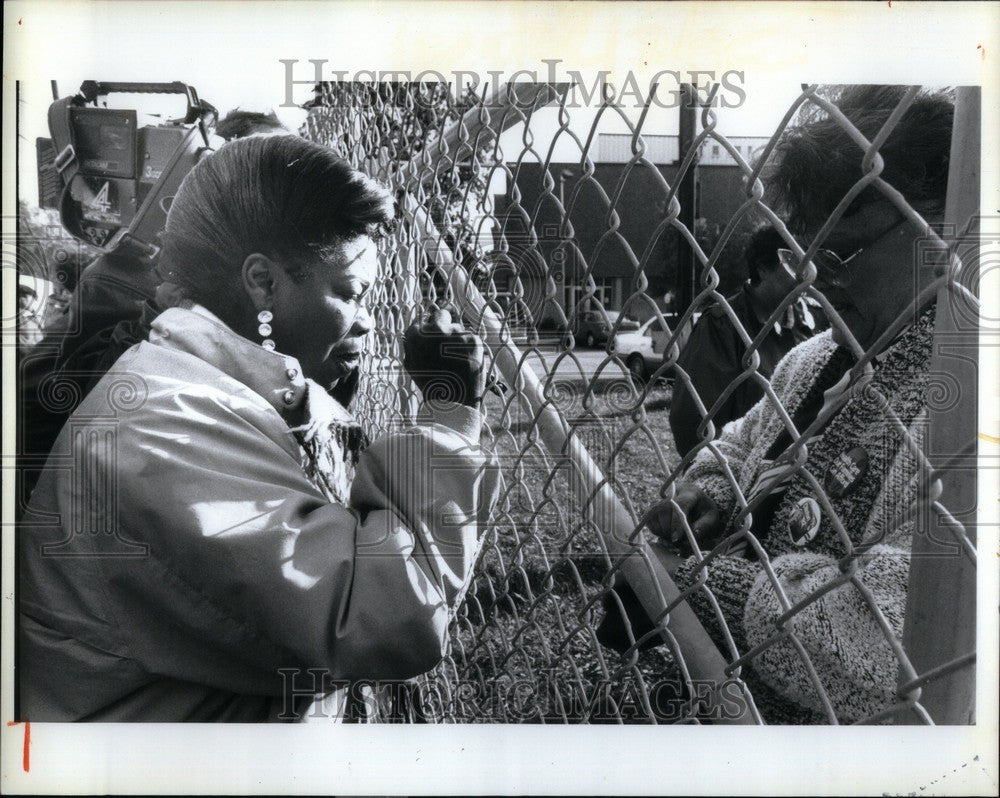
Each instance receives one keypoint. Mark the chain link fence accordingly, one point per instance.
(501, 229)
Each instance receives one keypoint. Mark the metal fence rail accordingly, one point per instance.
(584, 448)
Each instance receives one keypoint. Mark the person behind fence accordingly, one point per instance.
(858, 469)
(713, 355)
(29, 325)
(210, 519)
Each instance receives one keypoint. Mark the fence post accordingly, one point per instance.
(940, 624)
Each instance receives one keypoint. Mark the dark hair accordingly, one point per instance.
(239, 124)
(762, 252)
(282, 196)
(26, 290)
(816, 162)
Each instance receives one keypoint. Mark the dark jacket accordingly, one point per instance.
(713, 358)
(110, 311)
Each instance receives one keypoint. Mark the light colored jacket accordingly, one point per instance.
(176, 563)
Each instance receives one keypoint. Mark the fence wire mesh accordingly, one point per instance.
(490, 213)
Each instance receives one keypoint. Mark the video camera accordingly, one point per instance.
(110, 180)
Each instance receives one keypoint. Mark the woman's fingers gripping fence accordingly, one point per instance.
(444, 360)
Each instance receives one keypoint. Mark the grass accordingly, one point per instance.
(535, 602)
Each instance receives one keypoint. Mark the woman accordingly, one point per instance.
(857, 470)
(198, 542)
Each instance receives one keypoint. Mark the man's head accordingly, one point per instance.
(239, 124)
(26, 295)
(768, 281)
(873, 273)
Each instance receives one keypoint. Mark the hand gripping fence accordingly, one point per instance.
(490, 212)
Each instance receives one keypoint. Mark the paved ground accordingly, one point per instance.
(589, 361)
(583, 366)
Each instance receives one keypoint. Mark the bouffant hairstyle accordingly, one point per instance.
(281, 196)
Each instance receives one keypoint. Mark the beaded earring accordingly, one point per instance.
(264, 330)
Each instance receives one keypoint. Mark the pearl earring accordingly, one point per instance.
(264, 330)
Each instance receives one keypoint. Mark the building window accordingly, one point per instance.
(605, 292)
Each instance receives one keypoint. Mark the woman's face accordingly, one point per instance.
(320, 317)
(875, 286)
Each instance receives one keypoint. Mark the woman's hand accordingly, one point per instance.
(697, 507)
(444, 360)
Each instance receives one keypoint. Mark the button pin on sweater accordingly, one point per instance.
(845, 471)
(804, 520)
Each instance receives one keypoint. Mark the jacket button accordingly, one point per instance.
(292, 373)
(288, 397)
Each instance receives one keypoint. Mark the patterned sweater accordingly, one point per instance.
(839, 632)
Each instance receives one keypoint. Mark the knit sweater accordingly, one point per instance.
(839, 631)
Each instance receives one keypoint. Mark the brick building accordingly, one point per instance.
(613, 245)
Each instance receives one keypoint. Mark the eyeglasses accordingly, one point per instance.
(829, 265)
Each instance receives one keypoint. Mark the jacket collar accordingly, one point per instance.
(275, 377)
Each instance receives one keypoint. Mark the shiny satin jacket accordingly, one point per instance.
(176, 563)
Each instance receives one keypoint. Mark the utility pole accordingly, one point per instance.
(687, 265)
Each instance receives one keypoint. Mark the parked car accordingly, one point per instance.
(593, 330)
(642, 350)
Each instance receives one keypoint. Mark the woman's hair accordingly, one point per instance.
(284, 197)
(816, 162)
